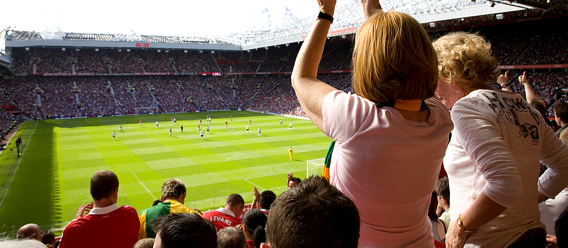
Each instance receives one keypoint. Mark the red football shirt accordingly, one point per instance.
(221, 218)
(111, 226)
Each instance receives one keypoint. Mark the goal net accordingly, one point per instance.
(315, 167)
(146, 110)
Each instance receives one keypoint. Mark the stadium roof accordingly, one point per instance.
(348, 17)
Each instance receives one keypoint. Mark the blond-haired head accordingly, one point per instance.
(465, 59)
(173, 188)
(393, 59)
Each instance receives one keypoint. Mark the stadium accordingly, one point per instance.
(64, 93)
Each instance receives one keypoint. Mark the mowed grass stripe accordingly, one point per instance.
(146, 156)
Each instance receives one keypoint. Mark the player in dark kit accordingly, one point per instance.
(181, 128)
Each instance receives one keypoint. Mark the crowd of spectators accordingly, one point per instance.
(536, 42)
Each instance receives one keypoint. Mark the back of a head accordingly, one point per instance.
(103, 184)
(29, 231)
(267, 197)
(173, 188)
(47, 237)
(255, 221)
(561, 111)
(230, 237)
(394, 59)
(145, 243)
(540, 105)
(443, 188)
(466, 59)
(313, 214)
(235, 200)
(185, 230)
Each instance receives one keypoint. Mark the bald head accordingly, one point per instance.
(29, 231)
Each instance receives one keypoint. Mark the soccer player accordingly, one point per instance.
(113, 135)
(247, 129)
(201, 132)
(290, 153)
(249, 121)
(231, 117)
(199, 121)
(198, 127)
(181, 128)
(207, 128)
(170, 132)
(259, 132)
(156, 123)
(226, 125)
(172, 119)
(175, 121)
(290, 126)
(140, 125)
(120, 128)
(280, 122)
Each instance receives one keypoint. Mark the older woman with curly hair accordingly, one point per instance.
(493, 157)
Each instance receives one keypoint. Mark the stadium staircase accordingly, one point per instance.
(133, 95)
(151, 92)
(113, 95)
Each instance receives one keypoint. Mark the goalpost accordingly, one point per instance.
(314, 167)
(146, 110)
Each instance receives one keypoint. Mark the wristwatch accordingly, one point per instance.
(460, 225)
(325, 16)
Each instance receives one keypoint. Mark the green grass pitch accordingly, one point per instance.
(52, 177)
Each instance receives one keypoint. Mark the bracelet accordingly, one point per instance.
(460, 225)
(325, 16)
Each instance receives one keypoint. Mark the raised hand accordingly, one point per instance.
(503, 78)
(523, 78)
(370, 7)
(327, 6)
(84, 210)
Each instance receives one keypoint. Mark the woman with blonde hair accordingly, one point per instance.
(493, 157)
(391, 135)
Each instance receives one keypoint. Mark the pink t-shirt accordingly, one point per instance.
(387, 165)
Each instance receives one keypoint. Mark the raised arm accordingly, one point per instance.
(530, 95)
(310, 91)
(370, 7)
(503, 81)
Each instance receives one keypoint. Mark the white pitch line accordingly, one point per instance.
(254, 184)
(23, 152)
(144, 186)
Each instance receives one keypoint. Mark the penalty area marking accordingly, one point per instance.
(144, 186)
(254, 184)
(23, 152)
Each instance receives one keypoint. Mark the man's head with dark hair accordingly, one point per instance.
(255, 222)
(561, 113)
(313, 214)
(173, 189)
(47, 237)
(267, 197)
(540, 105)
(294, 181)
(443, 189)
(235, 203)
(103, 184)
(231, 237)
(184, 230)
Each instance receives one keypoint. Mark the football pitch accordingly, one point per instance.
(51, 179)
